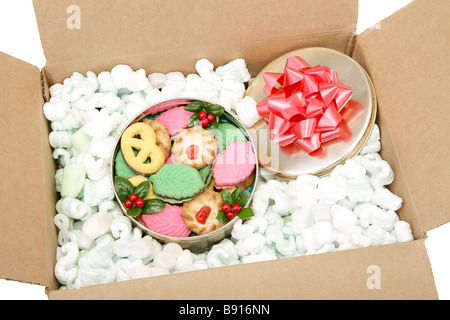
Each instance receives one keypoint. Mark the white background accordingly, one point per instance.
(19, 37)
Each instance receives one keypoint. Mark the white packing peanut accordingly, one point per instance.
(76, 209)
(97, 225)
(359, 190)
(56, 110)
(387, 200)
(77, 236)
(125, 78)
(247, 112)
(95, 267)
(65, 268)
(206, 71)
(102, 148)
(332, 189)
(59, 139)
(157, 80)
(121, 227)
(403, 232)
(235, 70)
(63, 222)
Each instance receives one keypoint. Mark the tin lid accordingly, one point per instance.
(359, 119)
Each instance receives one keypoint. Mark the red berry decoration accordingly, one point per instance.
(128, 204)
(202, 115)
(140, 203)
(205, 123)
(236, 208)
(226, 207)
(133, 197)
(231, 215)
(211, 117)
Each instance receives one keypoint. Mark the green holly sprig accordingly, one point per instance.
(133, 198)
(234, 205)
(205, 115)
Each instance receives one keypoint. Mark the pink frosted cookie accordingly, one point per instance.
(175, 119)
(234, 165)
(167, 222)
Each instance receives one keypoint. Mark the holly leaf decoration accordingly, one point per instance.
(222, 217)
(196, 107)
(134, 211)
(142, 189)
(235, 198)
(246, 213)
(243, 199)
(235, 195)
(215, 109)
(193, 120)
(226, 196)
(123, 188)
(153, 206)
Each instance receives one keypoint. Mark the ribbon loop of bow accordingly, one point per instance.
(303, 105)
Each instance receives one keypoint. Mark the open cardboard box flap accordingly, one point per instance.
(171, 35)
(27, 176)
(156, 40)
(405, 56)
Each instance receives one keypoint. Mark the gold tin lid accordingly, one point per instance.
(289, 163)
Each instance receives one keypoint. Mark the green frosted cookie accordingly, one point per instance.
(228, 133)
(121, 169)
(177, 183)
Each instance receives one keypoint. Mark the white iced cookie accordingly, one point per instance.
(195, 146)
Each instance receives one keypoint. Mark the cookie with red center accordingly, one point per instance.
(195, 146)
(200, 213)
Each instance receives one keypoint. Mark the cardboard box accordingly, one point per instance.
(405, 58)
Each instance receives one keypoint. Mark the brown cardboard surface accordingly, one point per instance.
(400, 271)
(407, 61)
(149, 34)
(166, 34)
(26, 173)
(257, 55)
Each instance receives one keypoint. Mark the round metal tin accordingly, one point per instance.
(195, 243)
(289, 163)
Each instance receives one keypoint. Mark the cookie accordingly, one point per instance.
(227, 133)
(177, 183)
(141, 137)
(195, 146)
(234, 165)
(175, 119)
(121, 168)
(200, 213)
(167, 222)
(162, 136)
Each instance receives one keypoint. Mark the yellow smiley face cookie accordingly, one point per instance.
(141, 137)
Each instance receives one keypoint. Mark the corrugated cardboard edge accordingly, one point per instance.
(403, 272)
(410, 73)
(27, 171)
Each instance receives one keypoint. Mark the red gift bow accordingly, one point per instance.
(303, 105)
